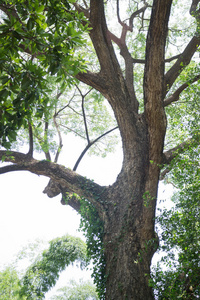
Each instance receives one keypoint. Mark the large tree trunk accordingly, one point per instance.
(129, 239)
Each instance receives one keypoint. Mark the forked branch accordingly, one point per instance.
(181, 62)
(89, 145)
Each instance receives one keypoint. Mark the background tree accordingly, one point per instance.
(77, 291)
(43, 273)
(144, 84)
(180, 234)
(9, 284)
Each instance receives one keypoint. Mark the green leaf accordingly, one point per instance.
(30, 24)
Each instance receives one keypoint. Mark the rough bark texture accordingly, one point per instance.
(127, 208)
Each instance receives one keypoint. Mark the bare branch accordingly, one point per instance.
(175, 96)
(47, 153)
(89, 145)
(182, 62)
(134, 14)
(65, 106)
(138, 61)
(169, 155)
(60, 139)
(118, 16)
(83, 111)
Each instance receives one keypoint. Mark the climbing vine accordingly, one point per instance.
(92, 226)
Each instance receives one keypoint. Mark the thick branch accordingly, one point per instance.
(187, 54)
(110, 68)
(95, 80)
(72, 200)
(80, 9)
(175, 96)
(154, 77)
(128, 65)
(182, 62)
(99, 37)
(67, 179)
(169, 155)
(121, 42)
(193, 9)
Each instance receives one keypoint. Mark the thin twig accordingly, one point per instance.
(60, 139)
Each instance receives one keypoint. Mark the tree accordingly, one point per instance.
(9, 284)
(143, 90)
(43, 273)
(180, 234)
(77, 291)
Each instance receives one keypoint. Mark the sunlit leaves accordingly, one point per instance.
(76, 291)
(37, 38)
(9, 284)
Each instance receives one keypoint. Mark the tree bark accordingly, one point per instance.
(129, 246)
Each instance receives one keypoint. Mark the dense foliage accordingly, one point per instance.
(9, 284)
(177, 274)
(38, 39)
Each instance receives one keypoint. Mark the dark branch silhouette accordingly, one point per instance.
(89, 145)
